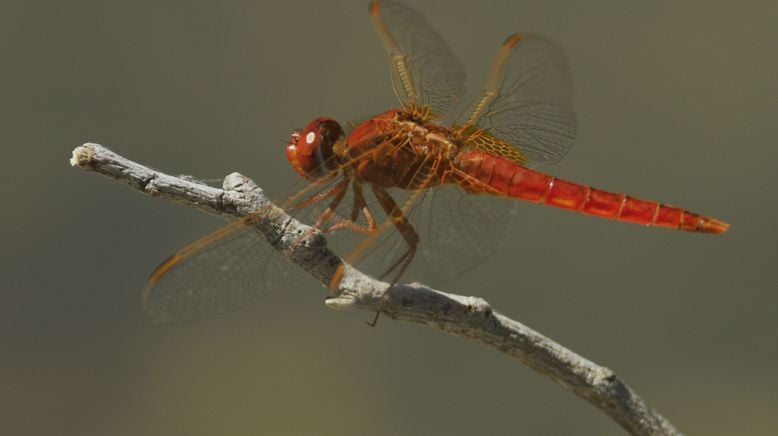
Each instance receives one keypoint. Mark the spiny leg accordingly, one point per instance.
(292, 202)
(329, 192)
(359, 206)
(333, 206)
(363, 247)
(418, 183)
(397, 220)
(338, 191)
(403, 225)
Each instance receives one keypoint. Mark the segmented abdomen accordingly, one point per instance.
(504, 177)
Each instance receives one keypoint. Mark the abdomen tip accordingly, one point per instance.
(712, 225)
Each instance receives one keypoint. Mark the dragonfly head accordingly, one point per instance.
(310, 150)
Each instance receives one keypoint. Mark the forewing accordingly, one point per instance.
(424, 70)
(532, 108)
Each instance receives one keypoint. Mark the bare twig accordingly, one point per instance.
(468, 317)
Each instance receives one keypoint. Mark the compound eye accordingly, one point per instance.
(322, 134)
(311, 150)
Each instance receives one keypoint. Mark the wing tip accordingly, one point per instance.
(155, 276)
(512, 40)
(374, 8)
(163, 268)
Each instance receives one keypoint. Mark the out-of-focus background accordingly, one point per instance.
(675, 101)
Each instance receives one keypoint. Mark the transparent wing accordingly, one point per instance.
(218, 273)
(424, 71)
(230, 267)
(527, 102)
(236, 264)
(457, 231)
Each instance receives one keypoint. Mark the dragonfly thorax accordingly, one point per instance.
(398, 149)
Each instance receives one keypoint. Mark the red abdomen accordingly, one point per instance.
(505, 177)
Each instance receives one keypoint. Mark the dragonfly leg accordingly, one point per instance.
(293, 203)
(335, 190)
(338, 191)
(359, 206)
(398, 220)
(403, 225)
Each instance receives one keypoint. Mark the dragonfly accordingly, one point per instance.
(410, 182)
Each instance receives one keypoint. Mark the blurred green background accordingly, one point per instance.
(676, 101)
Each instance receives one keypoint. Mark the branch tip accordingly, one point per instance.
(83, 155)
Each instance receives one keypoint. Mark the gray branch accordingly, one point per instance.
(468, 317)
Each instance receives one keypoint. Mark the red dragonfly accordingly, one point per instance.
(453, 177)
